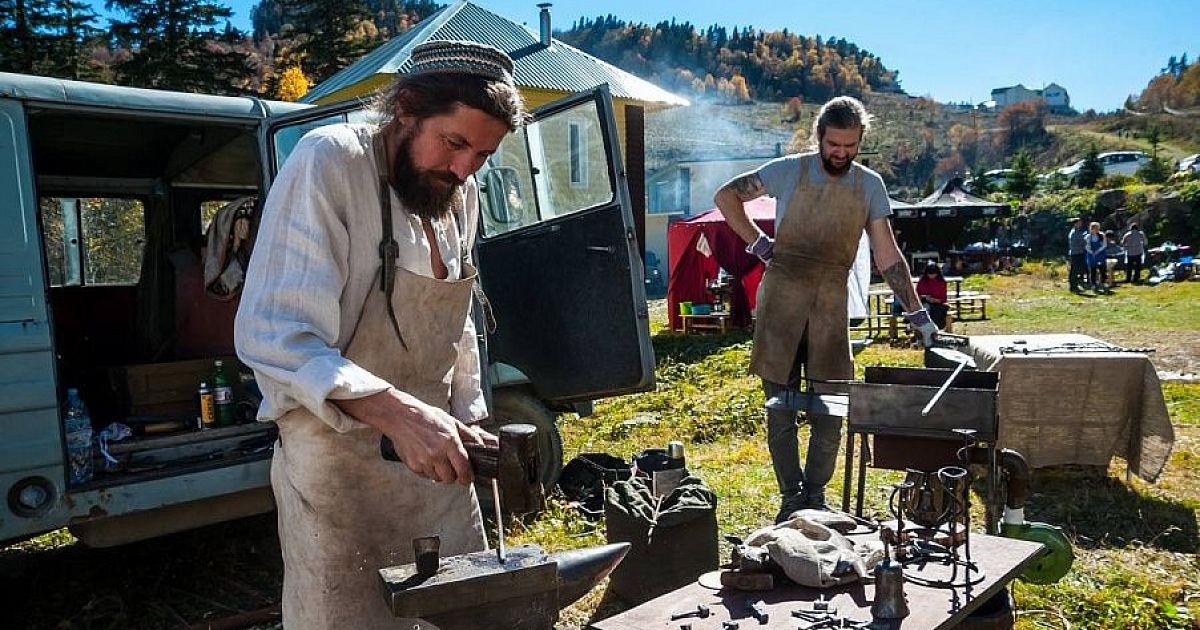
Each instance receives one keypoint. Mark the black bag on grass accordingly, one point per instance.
(674, 539)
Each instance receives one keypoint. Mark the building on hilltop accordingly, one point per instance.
(1054, 95)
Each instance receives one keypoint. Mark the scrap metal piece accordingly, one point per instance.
(701, 611)
(759, 610)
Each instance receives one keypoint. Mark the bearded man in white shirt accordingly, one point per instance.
(355, 320)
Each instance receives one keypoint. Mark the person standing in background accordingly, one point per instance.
(1134, 242)
(1095, 251)
(801, 339)
(1076, 252)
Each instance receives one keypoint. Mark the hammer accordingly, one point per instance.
(514, 470)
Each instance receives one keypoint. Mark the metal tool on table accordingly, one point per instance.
(513, 469)
(700, 612)
(889, 602)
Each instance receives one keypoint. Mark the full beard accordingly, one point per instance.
(834, 169)
(426, 194)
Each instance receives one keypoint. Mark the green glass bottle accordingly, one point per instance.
(223, 397)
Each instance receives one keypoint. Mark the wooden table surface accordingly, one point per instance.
(1001, 559)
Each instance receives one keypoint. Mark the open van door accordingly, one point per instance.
(32, 473)
(558, 256)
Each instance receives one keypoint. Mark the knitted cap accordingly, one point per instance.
(462, 57)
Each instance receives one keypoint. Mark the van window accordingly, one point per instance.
(94, 240)
(551, 167)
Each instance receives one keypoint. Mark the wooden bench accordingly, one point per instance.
(717, 322)
(878, 324)
(969, 306)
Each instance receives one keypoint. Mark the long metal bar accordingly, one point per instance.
(500, 554)
(942, 390)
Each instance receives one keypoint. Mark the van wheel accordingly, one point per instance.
(515, 406)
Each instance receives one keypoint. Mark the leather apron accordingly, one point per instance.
(804, 286)
(345, 512)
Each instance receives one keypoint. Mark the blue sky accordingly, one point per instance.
(1100, 50)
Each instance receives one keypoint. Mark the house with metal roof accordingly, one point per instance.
(544, 70)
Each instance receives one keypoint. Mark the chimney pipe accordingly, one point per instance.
(545, 22)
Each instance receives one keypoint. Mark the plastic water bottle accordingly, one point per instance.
(78, 429)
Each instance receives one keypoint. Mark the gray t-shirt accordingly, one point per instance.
(781, 175)
(1076, 241)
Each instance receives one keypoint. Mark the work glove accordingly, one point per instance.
(763, 247)
(920, 322)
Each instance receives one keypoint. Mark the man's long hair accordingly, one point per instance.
(434, 94)
(843, 112)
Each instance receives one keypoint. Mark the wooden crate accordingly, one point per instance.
(170, 389)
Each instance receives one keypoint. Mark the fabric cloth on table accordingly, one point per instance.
(813, 554)
(1071, 399)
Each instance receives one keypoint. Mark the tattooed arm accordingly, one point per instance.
(890, 263)
(731, 199)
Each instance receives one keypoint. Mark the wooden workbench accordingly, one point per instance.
(1001, 559)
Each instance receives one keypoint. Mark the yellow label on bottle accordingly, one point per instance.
(208, 411)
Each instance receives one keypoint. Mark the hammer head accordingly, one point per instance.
(515, 465)
(519, 473)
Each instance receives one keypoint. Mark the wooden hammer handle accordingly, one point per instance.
(485, 460)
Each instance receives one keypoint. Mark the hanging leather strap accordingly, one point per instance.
(389, 249)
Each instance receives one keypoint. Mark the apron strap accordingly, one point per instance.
(389, 249)
(489, 317)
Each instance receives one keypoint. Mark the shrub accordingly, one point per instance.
(1155, 171)
(1114, 181)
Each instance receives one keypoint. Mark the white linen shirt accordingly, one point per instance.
(314, 264)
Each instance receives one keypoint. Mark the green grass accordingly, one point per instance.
(1136, 544)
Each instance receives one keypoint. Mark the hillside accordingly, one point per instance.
(912, 138)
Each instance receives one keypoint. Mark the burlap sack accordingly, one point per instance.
(812, 554)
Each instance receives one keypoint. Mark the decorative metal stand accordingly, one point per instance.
(936, 502)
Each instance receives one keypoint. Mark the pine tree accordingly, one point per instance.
(72, 23)
(1023, 179)
(174, 45)
(1090, 171)
(23, 43)
(331, 34)
(981, 183)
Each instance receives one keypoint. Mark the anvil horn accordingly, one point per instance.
(580, 570)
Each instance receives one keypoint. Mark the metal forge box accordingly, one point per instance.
(887, 406)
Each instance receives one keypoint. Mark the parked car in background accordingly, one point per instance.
(1113, 163)
(997, 179)
(1190, 164)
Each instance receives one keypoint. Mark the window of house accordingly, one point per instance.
(685, 190)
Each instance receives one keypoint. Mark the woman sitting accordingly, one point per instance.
(931, 288)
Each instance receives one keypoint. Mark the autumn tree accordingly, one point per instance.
(1023, 125)
(292, 84)
(793, 109)
(330, 34)
(739, 91)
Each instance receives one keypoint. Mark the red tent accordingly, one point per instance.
(699, 247)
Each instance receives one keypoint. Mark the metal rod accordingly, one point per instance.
(938, 396)
(499, 521)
